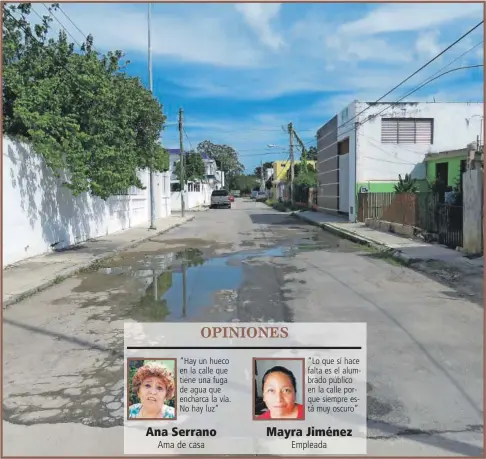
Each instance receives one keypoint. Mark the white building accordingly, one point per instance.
(367, 145)
(268, 173)
(197, 193)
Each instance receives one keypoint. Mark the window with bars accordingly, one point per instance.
(407, 130)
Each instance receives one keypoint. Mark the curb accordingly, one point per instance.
(353, 237)
(69, 272)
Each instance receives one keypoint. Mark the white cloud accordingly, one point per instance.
(323, 49)
(259, 17)
(427, 44)
(411, 17)
(185, 35)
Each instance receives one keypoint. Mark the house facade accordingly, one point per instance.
(279, 174)
(366, 146)
(198, 192)
(447, 167)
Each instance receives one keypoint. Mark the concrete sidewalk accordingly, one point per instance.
(30, 276)
(404, 249)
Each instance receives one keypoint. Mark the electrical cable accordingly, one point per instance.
(72, 22)
(412, 75)
(51, 13)
(359, 124)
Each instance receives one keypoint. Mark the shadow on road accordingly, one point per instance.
(271, 219)
(70, 339)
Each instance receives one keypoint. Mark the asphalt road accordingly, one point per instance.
(62, 348)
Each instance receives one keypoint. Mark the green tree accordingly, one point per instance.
(80, 112)
(406, 185)
(312, 154)
(266, 166)
(226, 159)
(245, 183)
(304, 176)
(194, 167)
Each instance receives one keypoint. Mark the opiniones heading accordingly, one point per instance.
(245, 332)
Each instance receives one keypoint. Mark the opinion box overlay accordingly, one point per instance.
(285, 389)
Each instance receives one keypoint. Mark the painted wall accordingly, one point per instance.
(39, 212)
(454, 168)
(192, 199)
(328, 167)
(281, 167)
(346, 128)
(455, 125)
(473, 211)
(378, 165)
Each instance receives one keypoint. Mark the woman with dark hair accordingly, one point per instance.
(279, 394)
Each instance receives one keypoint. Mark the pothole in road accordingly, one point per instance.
(191, 284)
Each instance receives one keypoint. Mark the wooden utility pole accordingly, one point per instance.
(182, 179)
(304, 151)
(291, 135)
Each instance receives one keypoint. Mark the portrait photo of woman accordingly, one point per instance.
(152, 389)
(279, 397)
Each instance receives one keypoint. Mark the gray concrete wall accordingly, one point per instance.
(328, 167)
(473, 211)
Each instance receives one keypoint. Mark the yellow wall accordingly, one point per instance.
(280, 169)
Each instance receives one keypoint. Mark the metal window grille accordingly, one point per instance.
(407, 130)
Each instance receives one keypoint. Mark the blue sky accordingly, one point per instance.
(242, 71)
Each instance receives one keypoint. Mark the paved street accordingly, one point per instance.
(63, 348)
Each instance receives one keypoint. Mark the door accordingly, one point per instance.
(344, 183)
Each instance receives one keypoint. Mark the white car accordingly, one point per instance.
(254, 194)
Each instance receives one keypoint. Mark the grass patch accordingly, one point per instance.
(381, 254)
(58, 280)
(96, 265)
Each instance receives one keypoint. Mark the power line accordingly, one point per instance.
(51, 13)
(426, 83)
(72, 22)
(409, 77)
(359, 124)
(185, 133)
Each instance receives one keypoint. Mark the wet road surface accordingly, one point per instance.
(63, 348)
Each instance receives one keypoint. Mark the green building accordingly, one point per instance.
(446, 166)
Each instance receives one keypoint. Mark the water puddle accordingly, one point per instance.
(181, 286)
(196, 284)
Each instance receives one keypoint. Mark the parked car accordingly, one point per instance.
(220, 198)
(231, 198)
(261, 196)
(254, 194)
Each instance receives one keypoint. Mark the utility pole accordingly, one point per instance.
(304, 151)
(182, 179)
(152, 178)
(291, 135)
(261, 178)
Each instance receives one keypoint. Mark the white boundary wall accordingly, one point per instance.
(38, 212)
(192, 198)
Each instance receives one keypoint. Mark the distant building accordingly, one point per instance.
(279, 173)
(213, 177)
(367, 151)
(268, 173)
